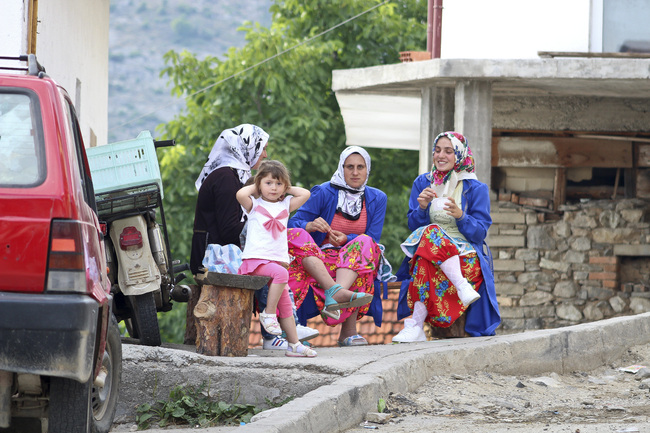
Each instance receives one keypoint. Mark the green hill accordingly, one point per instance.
(141, 31)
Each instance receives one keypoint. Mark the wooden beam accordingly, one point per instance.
(560, 152)
(559, 188)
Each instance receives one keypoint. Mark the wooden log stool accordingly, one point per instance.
(456, 330)
(223, 313)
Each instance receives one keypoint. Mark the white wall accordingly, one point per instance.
(502, 29)
(72, 45)
(13, 39)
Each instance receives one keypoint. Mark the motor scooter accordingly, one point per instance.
(144, 279)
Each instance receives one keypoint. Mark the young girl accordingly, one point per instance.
(268, 203)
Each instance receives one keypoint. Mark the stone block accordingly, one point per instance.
(540, 311)
(555, 266)
(580, 244)
(568, 312)
(511, 313)
(592, 312)
(603, 276)
(632, 216)
(509, 289)
(573, 256)
(527, 254)
(632, 250)
(565, 289)
(601, 293)
(539, 237)
(507, 241)
(535, 298)
(617, 303)
(639, 305)
(615, 236)
(509, 265)
(508, 218)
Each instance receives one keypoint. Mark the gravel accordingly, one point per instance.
(603, 400)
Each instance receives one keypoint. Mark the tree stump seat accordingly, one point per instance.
(223, 312)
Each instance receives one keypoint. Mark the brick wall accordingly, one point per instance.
(366, 326)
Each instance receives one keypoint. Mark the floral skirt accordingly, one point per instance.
(431, 286)
(361, 255)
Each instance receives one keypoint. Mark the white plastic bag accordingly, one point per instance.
(225, 259)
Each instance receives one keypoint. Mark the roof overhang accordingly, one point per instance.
(380, 105)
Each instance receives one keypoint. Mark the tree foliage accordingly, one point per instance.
(290, 97)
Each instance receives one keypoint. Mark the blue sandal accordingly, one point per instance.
(356, 300)
(354, 340)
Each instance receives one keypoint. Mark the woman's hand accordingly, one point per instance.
(338, 238)
(453, 209)
(425, 197)
(318, 225)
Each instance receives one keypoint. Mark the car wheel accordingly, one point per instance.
(104, 398)
(146, 319)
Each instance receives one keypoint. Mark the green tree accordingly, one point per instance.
(290, 97)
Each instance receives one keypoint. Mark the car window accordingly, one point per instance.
(84, 170)
(22, 161)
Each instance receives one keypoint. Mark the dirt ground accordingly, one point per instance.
(597, 401)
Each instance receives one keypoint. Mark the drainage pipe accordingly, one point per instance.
(434, 27)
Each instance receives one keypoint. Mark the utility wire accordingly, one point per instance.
(306, 41)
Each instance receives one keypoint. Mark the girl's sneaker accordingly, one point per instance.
(300, 350)
(270, 323)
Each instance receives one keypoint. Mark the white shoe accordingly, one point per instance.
(306, 333)
(275, 343)
(467, 294)
(411, 333)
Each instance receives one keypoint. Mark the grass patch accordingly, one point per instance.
(193, 406)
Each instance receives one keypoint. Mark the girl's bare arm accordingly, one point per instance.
(300, 196)
(244, 196)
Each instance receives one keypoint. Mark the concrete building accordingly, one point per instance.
(70, 39)
(560, 131)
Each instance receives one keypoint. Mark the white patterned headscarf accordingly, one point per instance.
(350, 200)
(239, 147)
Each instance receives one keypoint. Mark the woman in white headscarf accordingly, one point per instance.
(450, 268)
(345, 218)
(218, 215)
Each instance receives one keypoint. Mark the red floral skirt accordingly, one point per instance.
(431, 286)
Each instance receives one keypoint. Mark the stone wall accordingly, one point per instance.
(589, 262)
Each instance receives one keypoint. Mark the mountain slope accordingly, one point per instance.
(142, 31)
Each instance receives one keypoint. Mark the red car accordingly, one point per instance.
(60, 348)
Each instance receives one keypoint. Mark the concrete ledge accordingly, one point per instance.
(356, 378)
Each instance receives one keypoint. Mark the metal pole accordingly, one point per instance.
(430, 27)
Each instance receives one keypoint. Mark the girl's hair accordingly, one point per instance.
(276, 170)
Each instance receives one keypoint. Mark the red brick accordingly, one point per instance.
(610, 284)
(612, 260)
(610, 268)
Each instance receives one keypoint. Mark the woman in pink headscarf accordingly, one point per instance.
(450, 268)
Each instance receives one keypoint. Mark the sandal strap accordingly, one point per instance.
(334, 289)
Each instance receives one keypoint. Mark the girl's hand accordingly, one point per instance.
(425, 197)
(453, 209)
(318, 225)
(337, 238)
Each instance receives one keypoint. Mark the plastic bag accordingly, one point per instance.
(225, 259)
